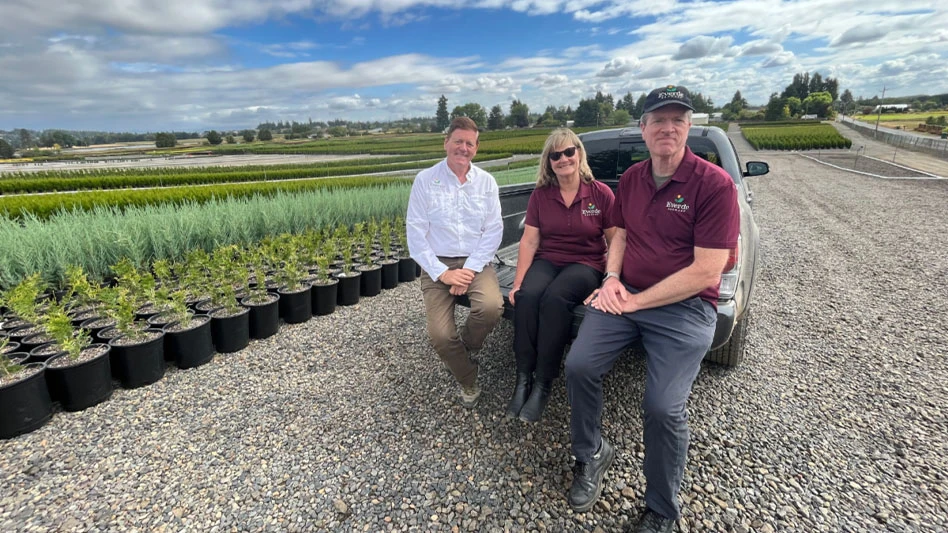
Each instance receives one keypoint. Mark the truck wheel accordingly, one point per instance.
(732, 353)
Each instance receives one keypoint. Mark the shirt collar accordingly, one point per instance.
(685, 169)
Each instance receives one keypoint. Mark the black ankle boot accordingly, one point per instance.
(520, 394)
(536, 403)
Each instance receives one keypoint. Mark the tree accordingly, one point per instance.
(738, 103)
(214, 138)
(849, 104)
(519, 114)
(26, 138)
(587, 114)
(6, 150)
(441, 117)
(473, 111)
(496, 119)
(777, 108)
(248, 135)
(799, 87)
(639, 106)
(794, 106)
(819, 103)
(816, 83)
(230, 139)
(165, 140)
(627, 102)
(265, 135)
(621, 117)
(701, 104)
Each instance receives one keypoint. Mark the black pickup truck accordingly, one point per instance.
(610, 153)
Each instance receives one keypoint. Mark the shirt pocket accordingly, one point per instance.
(442, 205)
(473, 208)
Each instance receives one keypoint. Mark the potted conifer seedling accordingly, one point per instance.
(407, 269)
(264, 305)
(389, 264)
(137, 355)
(188, 339)
(230, 321)
(371, 280)
(349, 279)
(325, 286)
(24, 396)
(80, 374)
(296, 297)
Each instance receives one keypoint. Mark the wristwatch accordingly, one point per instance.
(610, 275)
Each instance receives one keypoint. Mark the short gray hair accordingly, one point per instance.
(643, 121)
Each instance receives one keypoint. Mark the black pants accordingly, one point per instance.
(543, 318)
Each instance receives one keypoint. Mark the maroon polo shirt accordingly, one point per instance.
(696, 207)
(573, 233)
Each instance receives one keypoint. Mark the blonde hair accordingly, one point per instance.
(545, 175)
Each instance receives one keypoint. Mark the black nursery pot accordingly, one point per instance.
(389, 274)
(26, 404)
(190, 347)
(230, 333)
(406, 270)
(264, 318)
(80, 386)
(296, 307)
(371, 282)
(96, 324)
(139, 364)
(324, 297)
(350, 287)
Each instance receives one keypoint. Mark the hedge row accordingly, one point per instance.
(795, 138)
(45, 205)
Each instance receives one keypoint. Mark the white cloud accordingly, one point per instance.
(619, 66)
(703, 46)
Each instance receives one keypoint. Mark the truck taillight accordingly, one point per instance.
(731, 273)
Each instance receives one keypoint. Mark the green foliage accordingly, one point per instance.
(519, 114)
(99, 238)
(794, 137)
(6, 150)
(7, 367)
(78, 288)
(165, 140)
(265, 135)
(120, 305)
(248, 135)
(495, 121)
(23, 298)
(58, 325)
(472, 110)
(214, 138)
(442, 120)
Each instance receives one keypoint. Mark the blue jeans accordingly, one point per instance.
(676, 337)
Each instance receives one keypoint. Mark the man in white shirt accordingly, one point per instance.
(454, 229)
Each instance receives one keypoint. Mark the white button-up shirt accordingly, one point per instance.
(448, 219)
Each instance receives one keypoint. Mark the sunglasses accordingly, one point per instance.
(569, 152)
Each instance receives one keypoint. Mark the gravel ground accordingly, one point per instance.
(835, 422)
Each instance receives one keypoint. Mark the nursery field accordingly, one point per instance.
(795, 136)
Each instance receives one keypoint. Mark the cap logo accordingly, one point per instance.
(670, 92)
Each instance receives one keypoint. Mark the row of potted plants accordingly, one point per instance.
(68, 345)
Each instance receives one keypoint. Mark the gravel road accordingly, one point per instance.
(835, 422)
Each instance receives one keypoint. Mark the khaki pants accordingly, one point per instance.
(487, 306)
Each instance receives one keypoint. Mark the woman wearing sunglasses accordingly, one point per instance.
(561, 259)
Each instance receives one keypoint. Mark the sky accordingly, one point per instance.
(196, 65)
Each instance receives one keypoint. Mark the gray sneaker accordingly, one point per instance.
(469, 395)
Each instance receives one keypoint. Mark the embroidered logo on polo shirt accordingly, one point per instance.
(591, 210)
(678, 204)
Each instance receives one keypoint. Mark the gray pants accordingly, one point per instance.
(676, 338)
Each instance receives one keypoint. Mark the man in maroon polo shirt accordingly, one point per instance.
(676, 218)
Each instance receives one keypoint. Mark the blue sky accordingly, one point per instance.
(194, 65)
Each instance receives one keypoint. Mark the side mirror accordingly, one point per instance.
(757, 168)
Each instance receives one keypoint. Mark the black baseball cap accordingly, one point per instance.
(670, 94)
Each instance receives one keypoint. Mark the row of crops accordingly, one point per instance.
(793, 136)
(99, 237)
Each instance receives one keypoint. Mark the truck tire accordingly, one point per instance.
(732, 353)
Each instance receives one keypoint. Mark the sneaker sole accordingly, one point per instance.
(592, 503)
